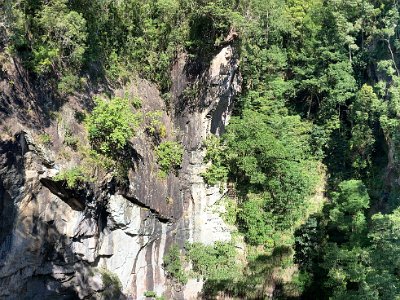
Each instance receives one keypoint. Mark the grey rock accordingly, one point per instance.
(54, 241)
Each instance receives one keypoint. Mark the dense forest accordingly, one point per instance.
(310, 156)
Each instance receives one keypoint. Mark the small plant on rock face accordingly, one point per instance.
(79, 116)
(136, 102)
(150, 294)
(231, 211)
(169, 156)
(154, 125)
(191, 92)
(45, 139)
(7, 130)
(70, 140)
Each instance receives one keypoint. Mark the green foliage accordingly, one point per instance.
(69, 84)
(70, 140)
(349, 204)
(112, 285)
(213, 262)
(321, 85)
(110, 126)
(273, 164)
(154, 125)
(150, 294)
(384, 253)
(365, 112)
(231, 210)
(169, 156)
(50, 36)
(173, 265)
(64, 32)
(116, 68)
(73, 177)
(217, 264)
(191, 92)
(45, 139)
(217, 172)
(357, 258)
(256, 222)
(136, 102)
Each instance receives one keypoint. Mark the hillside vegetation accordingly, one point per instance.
(319, 110)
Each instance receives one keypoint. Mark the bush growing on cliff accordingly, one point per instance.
(72, 176)
(169, 156)
(154, 126)
(110, 125)
(152, 294)
(45, 139)
(173, 265)
(112, 285)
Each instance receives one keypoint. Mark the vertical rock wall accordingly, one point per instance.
(58, 243)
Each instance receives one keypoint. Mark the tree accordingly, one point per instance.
(62, 40)
(348, 208)
(364, 114)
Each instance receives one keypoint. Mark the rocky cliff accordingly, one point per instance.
(63, 243)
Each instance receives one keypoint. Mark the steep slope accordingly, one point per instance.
(61, 243)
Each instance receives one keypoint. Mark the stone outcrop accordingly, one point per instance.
(61, 243)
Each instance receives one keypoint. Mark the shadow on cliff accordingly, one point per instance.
(35, 100)
(37, 261)
(57, 271)
(27, 98)
(11, 179)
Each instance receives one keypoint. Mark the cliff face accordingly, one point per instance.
(57, 242)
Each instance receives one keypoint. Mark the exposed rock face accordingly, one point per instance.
(56, 242)
(222, 82)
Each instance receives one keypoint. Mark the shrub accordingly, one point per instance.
(110, 125)
(213, 262)
(154, 125)
(45, 139)
(70, 140)
(169, 156)
(69, 84)
(112, 285)
(150, 294)
(217, 172)
(173, 265)
(231, 211)
(136, 102)
(256, 222)
(116, 69)
(72, 176)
